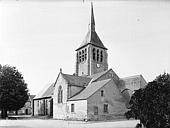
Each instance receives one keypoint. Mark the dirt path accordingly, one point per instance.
(64, 124)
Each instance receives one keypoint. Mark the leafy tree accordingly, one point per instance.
(13, 90)
(151, 105)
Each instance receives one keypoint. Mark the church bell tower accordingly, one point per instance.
(91, 55)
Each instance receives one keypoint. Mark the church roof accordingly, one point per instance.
(46, 92)
(76, 80)
(92, 37)
(98, 75)
(131, 77)
(134, 78)
(90, 90)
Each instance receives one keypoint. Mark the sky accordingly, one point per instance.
(40, 37)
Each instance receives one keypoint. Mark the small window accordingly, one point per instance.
(102, 93)
(105, 108)
(72, 107)
(95, 110)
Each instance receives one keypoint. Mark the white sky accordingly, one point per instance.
(39, 38)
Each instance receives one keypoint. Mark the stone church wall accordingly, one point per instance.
(80, 110)
(59, 109)
(112, 97)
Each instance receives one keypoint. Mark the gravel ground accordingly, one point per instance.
(38, 123)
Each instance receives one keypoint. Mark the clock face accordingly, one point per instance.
(98, 65)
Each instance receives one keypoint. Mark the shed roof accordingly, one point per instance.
(46, 92)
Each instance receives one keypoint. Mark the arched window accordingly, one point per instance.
(60, 94)
(97, 54)
(94, 54)
(79, 56)
(82, 55)
(85, 54)
(101, 56)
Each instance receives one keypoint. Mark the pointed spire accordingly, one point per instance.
(92, 37)
(92, 21)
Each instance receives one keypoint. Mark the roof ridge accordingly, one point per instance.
(75, 75)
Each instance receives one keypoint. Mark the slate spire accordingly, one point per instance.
(91, 36)
(92, 21)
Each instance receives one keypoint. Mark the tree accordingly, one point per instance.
(13, 90)
(151, 105)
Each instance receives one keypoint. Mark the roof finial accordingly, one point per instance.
(61, 70)
(92, 21)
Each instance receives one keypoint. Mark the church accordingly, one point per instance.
(93, 92)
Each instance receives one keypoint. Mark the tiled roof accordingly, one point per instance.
(46, 92)
(90, 90)
(92, 38)
(76, 80)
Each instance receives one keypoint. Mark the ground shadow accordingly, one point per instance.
(16, 126)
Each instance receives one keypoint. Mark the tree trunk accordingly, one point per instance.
(4, 113)
(16, 112)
